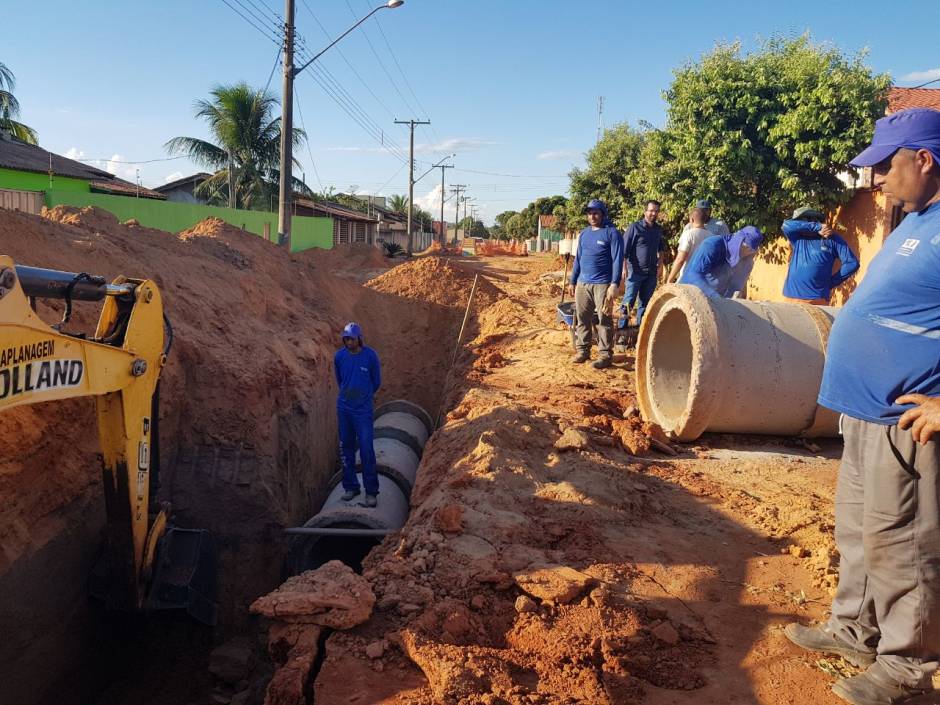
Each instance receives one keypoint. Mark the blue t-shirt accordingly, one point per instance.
(599, 258)
(709, 270)
(809, 275)
(358, 376)
(642, 245)
(886, 340)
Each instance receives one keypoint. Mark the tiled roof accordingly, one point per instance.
(124, 188)
(20, 156)
(548, 221)
(192, 178)
(333, 209)
(904, 98)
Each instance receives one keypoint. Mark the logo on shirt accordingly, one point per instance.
(936, 240)
(364, 369)
(908, 247)
(600, 242)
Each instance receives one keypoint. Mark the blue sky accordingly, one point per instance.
(510, 86)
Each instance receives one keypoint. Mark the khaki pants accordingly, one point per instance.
(888, 535)
(588, 299)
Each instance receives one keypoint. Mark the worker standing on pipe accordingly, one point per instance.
(882, 375)
(643, 245)
(359, 376)
(721, 265)
(815, 248)
(595, 279)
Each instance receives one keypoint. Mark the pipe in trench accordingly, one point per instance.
(349, 529)
(732, 365)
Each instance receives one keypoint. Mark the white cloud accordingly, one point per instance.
(115, 166)
(922, 76)
(455, 144)
(75, 153)
(558, 154)
(173, 177)
(431, 202)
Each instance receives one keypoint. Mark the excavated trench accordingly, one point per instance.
(248, 448)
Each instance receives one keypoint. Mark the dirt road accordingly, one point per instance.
(528, 573)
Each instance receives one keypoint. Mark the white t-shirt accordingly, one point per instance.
(690, 239)
(713, 226)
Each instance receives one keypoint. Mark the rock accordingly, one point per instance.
(388, 602)
(572, 439)
(449, 519)
(525, 604)
(233, 661)
(556, 584)
(666, 633)
(293, 649)
(478, 602)
(330, 596)
(457, 622)
(241, 698)
(435, 537)
(376, 649)
(408, 608)
(798, 551)
(497, 578)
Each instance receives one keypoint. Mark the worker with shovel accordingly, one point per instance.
(358, 376)
(882, 375)
(595, 279)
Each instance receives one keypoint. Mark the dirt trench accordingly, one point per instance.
(248, 438)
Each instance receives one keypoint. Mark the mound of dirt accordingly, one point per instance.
(89, 217)
(435, 279)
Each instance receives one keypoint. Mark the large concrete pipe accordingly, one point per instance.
(730, 365)
(401, 431)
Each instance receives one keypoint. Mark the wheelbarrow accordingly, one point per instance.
(565, 312)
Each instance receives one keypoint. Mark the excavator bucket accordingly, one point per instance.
(184, 574)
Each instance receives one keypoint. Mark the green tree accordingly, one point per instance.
(10, 109)
(610, 176)
(246, 147)
(545, 205)
(517, 227)
(760, 133)
(398, 203)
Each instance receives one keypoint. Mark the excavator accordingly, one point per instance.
(146, 564)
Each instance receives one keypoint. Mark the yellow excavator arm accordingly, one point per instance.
(120, 367)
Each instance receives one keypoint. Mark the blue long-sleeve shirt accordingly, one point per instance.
(709, 270)
(599, 259)
(885, 341)
(809, 275)
(642, 244)
(358, 376)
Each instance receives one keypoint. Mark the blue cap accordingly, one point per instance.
(352, 330)
(703, 203)
(596, 204)
(917, 128)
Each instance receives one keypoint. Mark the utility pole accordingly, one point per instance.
(456, 189)
(411, 176)
(600, 117)
(443, 235)
(466, 200)
(287, 129)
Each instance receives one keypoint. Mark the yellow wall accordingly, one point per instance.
(864, 222)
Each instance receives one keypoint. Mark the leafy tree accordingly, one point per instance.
(517, 227)
(477, 229)
(504, 217)
(398, 203)
(610, 165)
(10, 109)
(246, 147)
(545, 205)
(759, 133)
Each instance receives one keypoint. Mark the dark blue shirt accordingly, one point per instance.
(642, 245)
(809, 275)
(358, 376)
(599, 258)
(709, 270)
(885, 342)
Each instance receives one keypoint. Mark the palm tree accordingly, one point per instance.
(398, 203)
(10, 108)
(245, 154)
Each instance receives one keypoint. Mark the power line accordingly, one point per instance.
(259, 17)
(927, 83)
(249, 21)
(120, 161)
(303, 127)
(513, 176)
(277, 59)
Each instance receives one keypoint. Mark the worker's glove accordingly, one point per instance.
(610, 295)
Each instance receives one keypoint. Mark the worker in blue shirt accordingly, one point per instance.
(643, 244)
(882, 373)
(358, 376)
(722, 264)
(815, 248)
(595, 279)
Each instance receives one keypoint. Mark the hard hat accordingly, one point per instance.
(352, 330)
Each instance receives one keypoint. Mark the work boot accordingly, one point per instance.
(371, 500)
(602, 364)
(581, 357)
(349, 495)
(819, 639)
(874, 688)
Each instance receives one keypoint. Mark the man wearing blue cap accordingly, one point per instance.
(814, 249)
(358, 376)
(721, 266)
(595, 279)
(882, 374)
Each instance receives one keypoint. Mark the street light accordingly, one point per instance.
(287, 118)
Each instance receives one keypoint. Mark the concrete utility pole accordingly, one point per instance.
(285, 190)
(287, 129)
(411, 176)
(466, 199)
(456, 189)
(443, 235)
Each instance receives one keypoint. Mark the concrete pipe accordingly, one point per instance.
(731, 365)
(401, 431)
